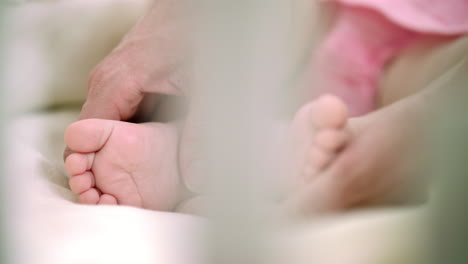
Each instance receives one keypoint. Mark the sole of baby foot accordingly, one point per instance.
(121, 163)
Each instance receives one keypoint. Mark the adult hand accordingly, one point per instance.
(149, 59)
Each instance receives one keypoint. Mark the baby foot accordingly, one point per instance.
(380, 158)
(123, 163)
(320, 132)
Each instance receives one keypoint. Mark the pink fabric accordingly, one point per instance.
(445, 17)
(369, 33)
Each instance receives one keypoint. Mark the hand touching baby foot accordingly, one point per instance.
(122, 163)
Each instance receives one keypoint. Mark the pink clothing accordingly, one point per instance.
(444, 17)
(369, 33)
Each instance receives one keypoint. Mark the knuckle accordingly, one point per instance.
(96, 77)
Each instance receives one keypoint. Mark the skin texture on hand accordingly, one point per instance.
(149, 59)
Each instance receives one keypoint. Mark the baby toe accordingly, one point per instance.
(88, 135)
(77, 163)
(81, 183)
(90, 196)
(318, 158)
(330, 139)
(107, 199)
(330, 112)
